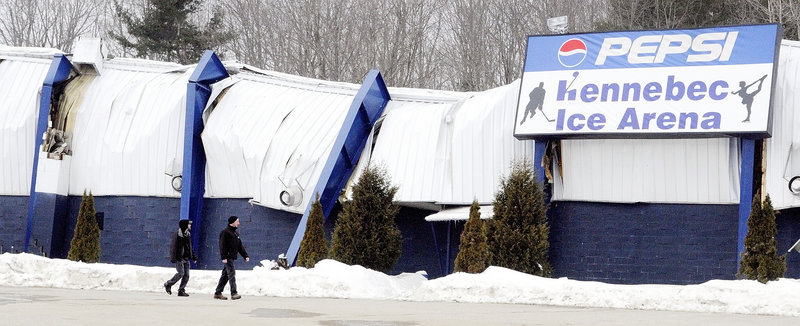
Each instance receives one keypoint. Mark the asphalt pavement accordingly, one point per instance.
(50, 306)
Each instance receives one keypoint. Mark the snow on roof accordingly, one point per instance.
(23, 53)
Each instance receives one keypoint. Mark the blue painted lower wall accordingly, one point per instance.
(137, 230)
(614, 243)
(265, 232)
(643, 243)
(788, 221)
(13, 219)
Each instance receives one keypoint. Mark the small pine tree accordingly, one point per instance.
(760, 260)
(313, 248)
(519, 231)
(473, 251)
(366, 233)
(85, 244)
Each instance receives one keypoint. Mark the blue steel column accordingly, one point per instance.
(539, 148)
(745, 192)
(366, 108)
(59, 71)
(208, 71)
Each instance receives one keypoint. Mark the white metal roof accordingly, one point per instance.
(448, 148)
(128, 128)
(270, 130)
(783, 149)
(22, 74)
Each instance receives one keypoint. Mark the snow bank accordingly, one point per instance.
(333, 279)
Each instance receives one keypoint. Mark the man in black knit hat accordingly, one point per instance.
(180, 252)
(229, 246)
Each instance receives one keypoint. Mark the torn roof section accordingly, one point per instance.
(127, 128)
(270, 131)
(448, 148)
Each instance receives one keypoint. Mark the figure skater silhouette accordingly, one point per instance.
(747, 98)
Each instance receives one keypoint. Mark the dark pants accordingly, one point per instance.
(228, 274)
(183, 274)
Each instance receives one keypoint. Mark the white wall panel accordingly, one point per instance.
(783, 149)
(21, 80)
(700, 171)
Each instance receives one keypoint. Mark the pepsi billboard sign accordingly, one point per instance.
(669, 83)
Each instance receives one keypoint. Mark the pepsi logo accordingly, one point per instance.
(572, 53)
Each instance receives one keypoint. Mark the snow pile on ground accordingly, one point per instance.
(333, 279)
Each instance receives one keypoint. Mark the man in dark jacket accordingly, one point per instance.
(180, 252)
(229, 246)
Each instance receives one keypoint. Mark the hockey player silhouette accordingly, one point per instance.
(747, 98)
(536, 103)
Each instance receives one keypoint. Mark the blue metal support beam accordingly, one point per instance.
(60, 69)
(366, 108)
(745, 192)
(539, 148)
(208, 71)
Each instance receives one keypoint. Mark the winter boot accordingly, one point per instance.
(182, 293)
(235, 296)
(220, 296)
(168, 288)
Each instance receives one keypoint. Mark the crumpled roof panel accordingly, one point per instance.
(128, 132)
(449, 148)
(270, 132)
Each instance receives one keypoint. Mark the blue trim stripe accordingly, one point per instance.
(60, 69)
(367, 106)
(208, 71)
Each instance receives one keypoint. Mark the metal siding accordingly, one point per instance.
(484, 145)
(410, 146)
(128, 130)
(21, 81)
(783, 149)
(649, 170)
(449, 148)
(270, 126)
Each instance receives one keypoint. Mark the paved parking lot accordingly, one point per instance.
(48, 306)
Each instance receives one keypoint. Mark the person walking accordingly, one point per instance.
(180, 252)
(229, 246)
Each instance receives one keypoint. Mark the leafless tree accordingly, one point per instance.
(443, 44)
(487, 47)
(338, 39)
(47, 23)
(784, 12)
